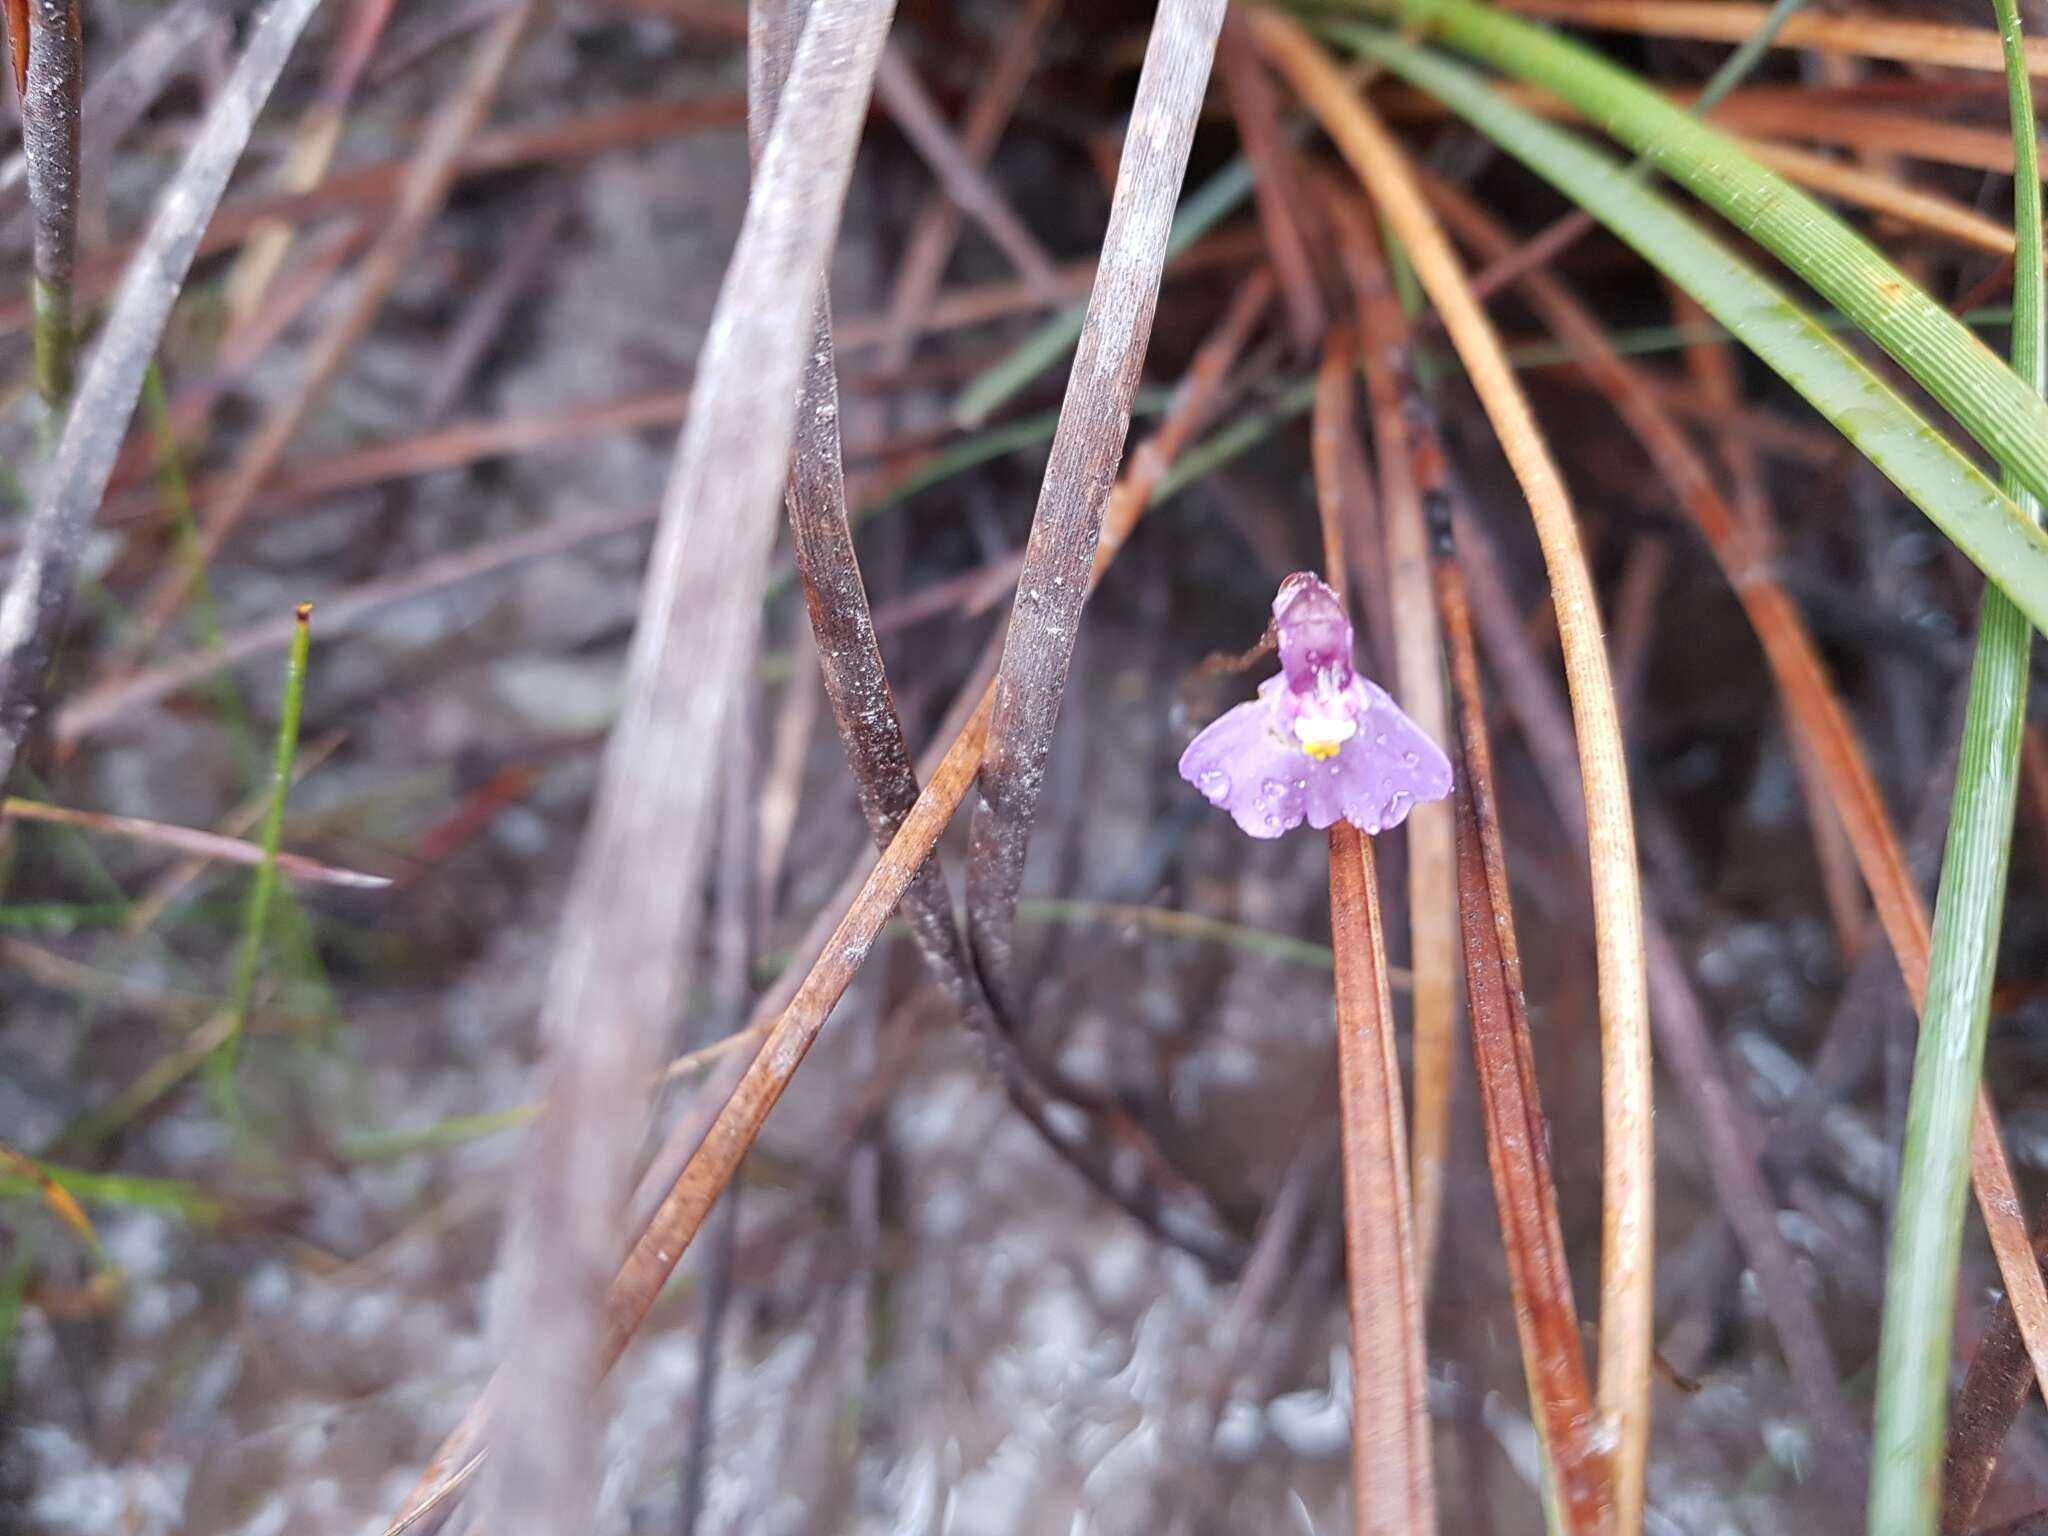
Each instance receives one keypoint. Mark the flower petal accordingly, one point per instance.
(1312, 629)
(1243, 765)
(1383, 772)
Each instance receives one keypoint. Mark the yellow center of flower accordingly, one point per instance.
(1321, 751)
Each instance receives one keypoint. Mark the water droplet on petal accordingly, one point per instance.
(1411, 758)
(1301, 783)
(1380, 739)
(1272, 789)
(1214, 783)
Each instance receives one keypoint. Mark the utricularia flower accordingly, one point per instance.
(1320, 743)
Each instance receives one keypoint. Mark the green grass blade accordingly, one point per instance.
(1920, 1283)
(118, 1191)
(1200, 211)
(1957, 496)
(220, 1067)
(1992, 403)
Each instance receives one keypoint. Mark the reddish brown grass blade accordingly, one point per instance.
(1995, 1388)
(1275, 186)
(1410, 464)
(1914, 42)
(1517, 1136)
(1393, 1489)
(17, 43)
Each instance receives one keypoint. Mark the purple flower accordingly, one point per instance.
(1320, 743)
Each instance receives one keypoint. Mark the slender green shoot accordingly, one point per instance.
(1984, 523)
(220, 1067)
(1920, 1286)
(124, 1191)
(294, 938)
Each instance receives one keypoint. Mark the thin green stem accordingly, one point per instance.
(1920, 1287)
(118, 1190)
(220, 1067)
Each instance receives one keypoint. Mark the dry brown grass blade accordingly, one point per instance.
(51, 87)
(1627, 1257)
(1081, 469)
(620, 967)
(38, 591)
(930, 244)
(1810, 699)
(682, 1212)
(1517, 1136)
(1393, 1489)
(1276, 187)
(1410, 466)
(421, 193)
(166, 887)
(306, 162)
(195, 841)
(911, 107)
(1868, 36)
